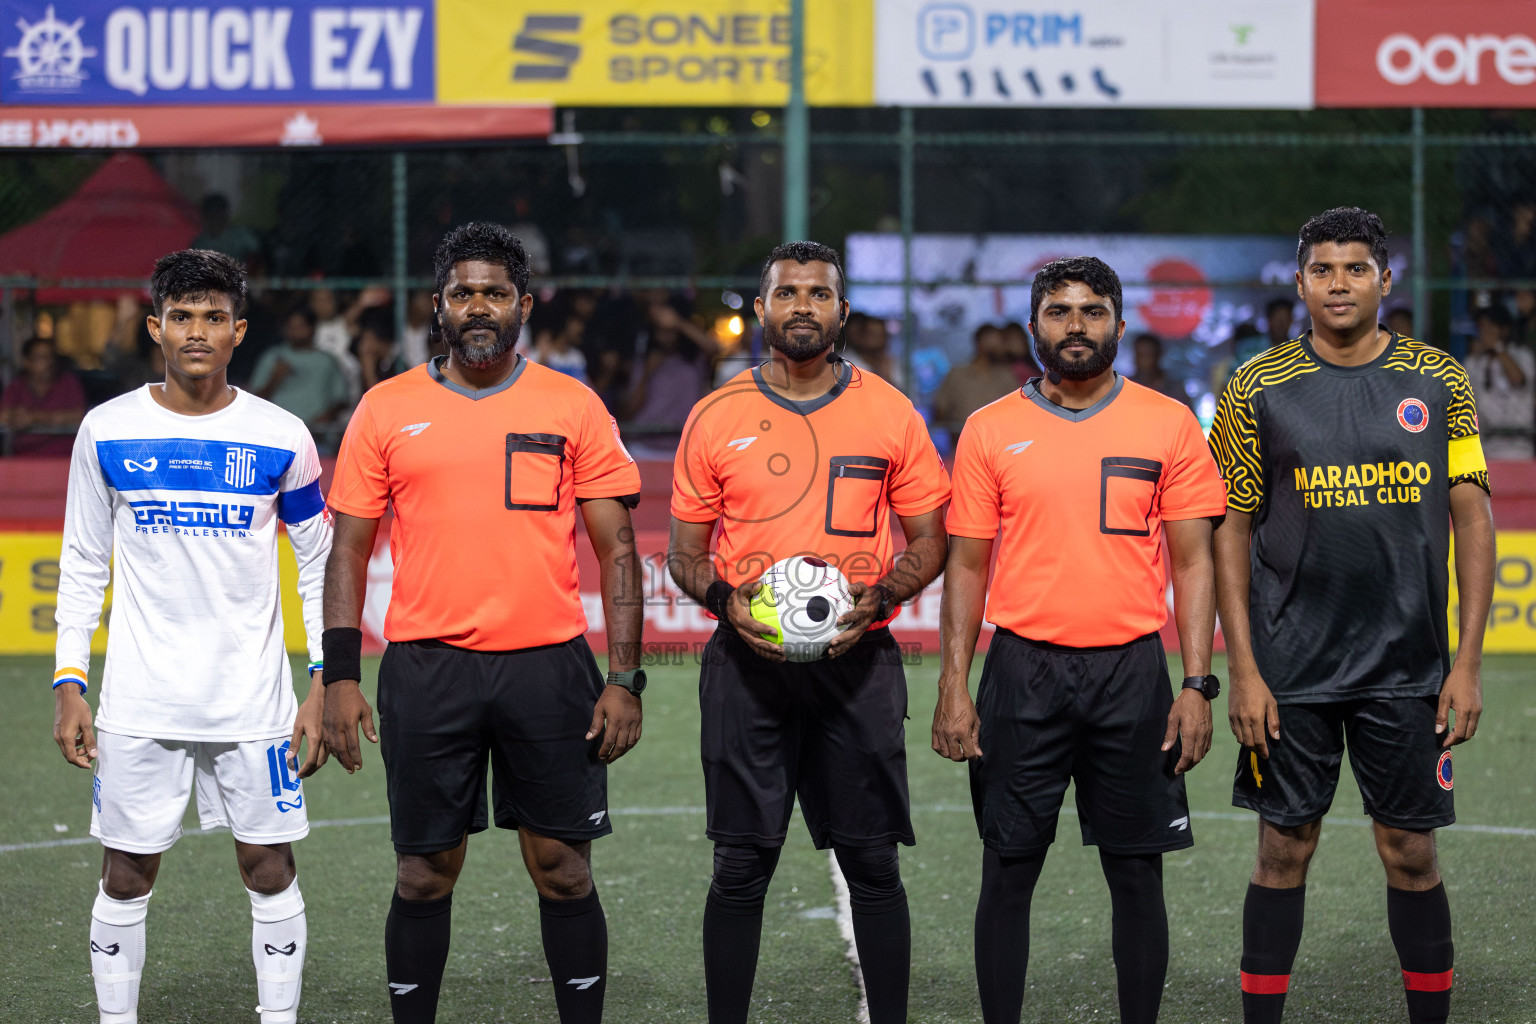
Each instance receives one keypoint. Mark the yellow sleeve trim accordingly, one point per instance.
(1466, 456)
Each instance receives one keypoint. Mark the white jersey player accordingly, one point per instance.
(184, 482)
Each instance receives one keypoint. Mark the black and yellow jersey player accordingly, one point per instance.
(1348, 455)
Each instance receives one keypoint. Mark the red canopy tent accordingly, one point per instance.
(116, 225)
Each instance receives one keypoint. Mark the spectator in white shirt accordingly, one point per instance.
(1503, 376)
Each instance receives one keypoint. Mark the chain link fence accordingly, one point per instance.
(629, 213)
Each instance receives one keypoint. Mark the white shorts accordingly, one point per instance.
(142, 787)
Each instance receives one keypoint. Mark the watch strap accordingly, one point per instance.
(1207, 685)
(634, 680)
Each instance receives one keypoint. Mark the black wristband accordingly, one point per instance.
(716, 597)
(342, 648)
(888, 603)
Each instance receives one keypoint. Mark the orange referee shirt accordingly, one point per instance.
(817, 478)
(1080, 498)
(484, 487)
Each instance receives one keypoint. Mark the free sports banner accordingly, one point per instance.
(201, 127)
(1426, 53)
(649, 53)
(106, 52)
(1094, 53)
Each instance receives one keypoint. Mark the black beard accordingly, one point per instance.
(1103, 357)
(478, 357)
(778, 338)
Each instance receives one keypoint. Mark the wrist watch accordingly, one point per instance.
(1208, 686)
(633, 680)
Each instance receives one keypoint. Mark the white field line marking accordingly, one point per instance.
(845, 926)
(682, 811)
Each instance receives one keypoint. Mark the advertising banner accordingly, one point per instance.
(1094, 53)
(1512, 618)
(1179, 275)
(203, 127)
(29, 588)
(675, 627)
(1426, 53)
(110, 53)
(645, 53)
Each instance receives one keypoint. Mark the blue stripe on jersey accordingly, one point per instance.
(185, 464)
(300, 505)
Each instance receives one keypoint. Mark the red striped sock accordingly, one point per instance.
(1272, 920)
(1420, 923)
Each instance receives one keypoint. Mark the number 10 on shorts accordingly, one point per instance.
(282, 780)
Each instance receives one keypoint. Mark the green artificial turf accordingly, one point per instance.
(654, 871)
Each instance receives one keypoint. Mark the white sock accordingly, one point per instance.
(278, 943)
(117, 955)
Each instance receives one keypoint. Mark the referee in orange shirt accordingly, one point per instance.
(805, 454)
(485, 458)
(1079, 476)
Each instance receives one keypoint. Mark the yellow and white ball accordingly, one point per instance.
(802, 598)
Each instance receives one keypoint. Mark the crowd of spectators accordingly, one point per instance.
(650, 356)
(1001, 361)
(1493, 330)
(315, 352)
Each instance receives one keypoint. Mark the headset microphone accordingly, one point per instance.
(832, 354)
(1053, 377)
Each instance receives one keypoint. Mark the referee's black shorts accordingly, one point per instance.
(1092, 715)
(831, 732)
(445, 713)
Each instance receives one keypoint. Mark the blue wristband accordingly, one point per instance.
(316, 666)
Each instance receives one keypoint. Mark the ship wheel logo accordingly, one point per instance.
(49, 54)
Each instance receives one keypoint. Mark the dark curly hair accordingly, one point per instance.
(1343, 224)
(481, 241)
(194, 274)
(803, 252)
(1099, 276)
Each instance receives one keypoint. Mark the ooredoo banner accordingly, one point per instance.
(1426, 53)
(102, 52)
(1094, 53)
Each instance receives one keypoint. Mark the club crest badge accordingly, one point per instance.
(1443, 771)
(1412, 415)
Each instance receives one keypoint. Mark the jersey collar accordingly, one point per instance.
(435, 371)
(1031, 391)
(1350, 371)
(843, 375)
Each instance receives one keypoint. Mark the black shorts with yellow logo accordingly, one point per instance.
(1403, 773)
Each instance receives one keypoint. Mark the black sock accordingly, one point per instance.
(1140, 933)
(576, 949)
(1420, 923)
(415, 950)
(1002, 933)
(1272, 920)
(733, 928)
(882, 928)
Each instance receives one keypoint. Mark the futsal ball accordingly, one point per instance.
(802, 598)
